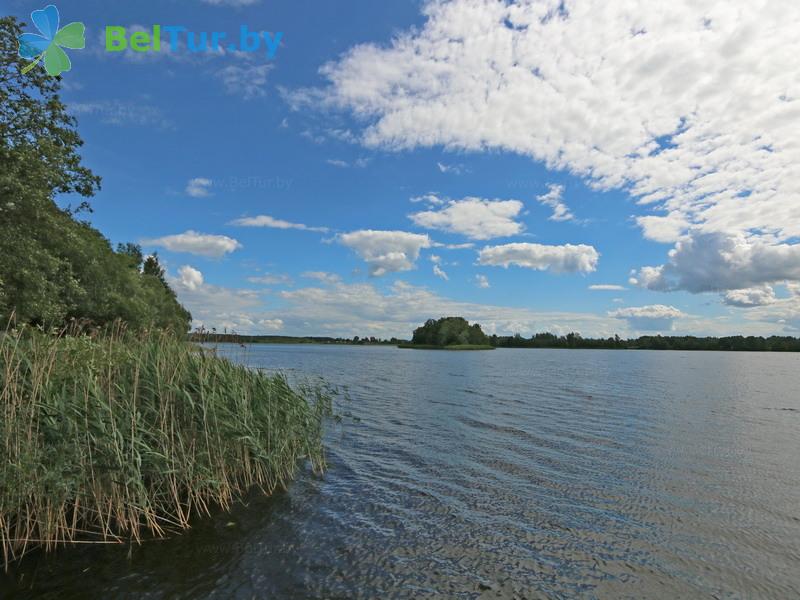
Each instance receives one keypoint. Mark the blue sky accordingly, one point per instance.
(409, 159)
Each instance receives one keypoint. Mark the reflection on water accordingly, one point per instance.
(513, 473)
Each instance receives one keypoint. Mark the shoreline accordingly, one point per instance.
(407, 346)
(453, 348)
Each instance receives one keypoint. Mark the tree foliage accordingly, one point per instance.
(449, 331)
(53, 267)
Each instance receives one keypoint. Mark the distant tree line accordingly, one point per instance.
(452, 331)
(212, 336)
(651, 342)
(55, 268)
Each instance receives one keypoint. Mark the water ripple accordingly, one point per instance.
(505, 474)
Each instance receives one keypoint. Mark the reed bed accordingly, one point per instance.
(111, 437)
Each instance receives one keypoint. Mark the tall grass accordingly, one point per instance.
(114, 436)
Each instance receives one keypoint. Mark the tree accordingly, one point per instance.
(153, 268)
(449, 331)
(54, 268)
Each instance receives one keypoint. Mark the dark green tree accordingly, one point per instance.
(54, 268)
(449, 331)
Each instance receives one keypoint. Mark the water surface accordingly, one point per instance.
(512, 473)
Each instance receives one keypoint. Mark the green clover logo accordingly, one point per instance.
(49, 44)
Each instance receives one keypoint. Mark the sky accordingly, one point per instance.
(627, 167)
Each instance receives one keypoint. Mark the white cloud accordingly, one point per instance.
(247, 82)
(482, 281)
(271, 324)
(352, 309)
(690, 106)
(554, 199)
(707, 262)
(271, 279)
(439, 272)
(358, 163)
(664, 229)
(429, 198)
(199, 187)
(273, 223)
(190, 278)
(340, 309)
(322, 276)
(452, 169)
(475, 218)
(784, 312)
(656, 317)
(386, 251)
(192, 242)
(749, 297)
(216, 307)
(606, 287)
(557, 259)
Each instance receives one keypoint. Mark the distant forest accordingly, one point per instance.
(542, 340)
(651, 342)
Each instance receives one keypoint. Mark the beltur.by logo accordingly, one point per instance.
(50, 44)
(118, 39)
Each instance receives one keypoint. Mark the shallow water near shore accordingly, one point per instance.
(513, 473)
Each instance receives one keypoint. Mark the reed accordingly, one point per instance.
(111, 437)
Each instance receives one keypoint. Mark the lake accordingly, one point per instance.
(503, 474)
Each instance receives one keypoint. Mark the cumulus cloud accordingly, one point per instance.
(199, 187)
(386, 251)
(784, 312)
(347, 309)
(557, 259)
(689, 106)
(217, 307)
(746, 298)
(192, 242)
(707, 262)
(439, 272)
(664, 229)
(271, 324)
(476, 218)
(554, 199)
(340, 309)
(273, 223)
(656, 317)
(221, 308)
(190, 278)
